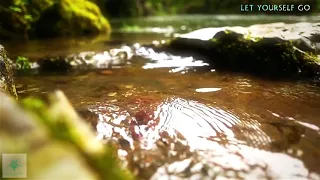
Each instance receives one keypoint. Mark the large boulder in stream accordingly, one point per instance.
(276, 49)
(48, 18)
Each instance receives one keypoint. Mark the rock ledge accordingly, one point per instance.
(276, 49)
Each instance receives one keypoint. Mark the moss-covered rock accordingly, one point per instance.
(6, 80)
(264, 50)
(82, 16)
(68, 17)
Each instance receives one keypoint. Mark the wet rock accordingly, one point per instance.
(85, 60)
(6, 79)
(55, 139)
(54, 64)
(89, 117)
(258, 49)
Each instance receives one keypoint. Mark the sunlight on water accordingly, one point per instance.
(209, 131)
(305, 124)
(207, 89)
(194, 121)
(167, 60)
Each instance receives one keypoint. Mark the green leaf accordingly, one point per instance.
(23, 63)
(28, 17)
(15, 9)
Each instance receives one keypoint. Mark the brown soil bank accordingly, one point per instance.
(275, 50)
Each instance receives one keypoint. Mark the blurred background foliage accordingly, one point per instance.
(21, 19)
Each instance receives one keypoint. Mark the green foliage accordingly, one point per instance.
(15, 9)
(28, 17)
(20, 7)
(17, 12)
(23, 63)
(43, 18)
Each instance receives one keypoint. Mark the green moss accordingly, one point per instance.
(214, 40)
(23, 63)
(311, 58)
(81, 17)
(249, 37)
(228, 31)
(168, 42)
(256, 39)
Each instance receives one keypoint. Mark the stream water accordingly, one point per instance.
(287, 113)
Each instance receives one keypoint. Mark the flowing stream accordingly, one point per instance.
(209, 108)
